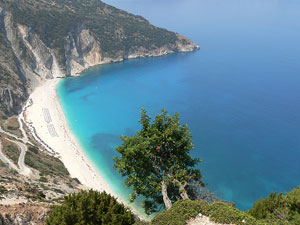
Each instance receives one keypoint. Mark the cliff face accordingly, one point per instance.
(35, 61)
(42, 40)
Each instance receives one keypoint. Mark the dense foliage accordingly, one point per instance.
(180, 212)
(44, 163)
(90, 207)
(218, 212)
(276, 210)
(157, 164)
(283, 207)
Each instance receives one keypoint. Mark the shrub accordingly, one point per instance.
(12, 128)
(90, 207)
(284, 208)
(2, 190)
(12, 152)
(181, 211)
(43, 179)
(218, 212)
(225, 213)
(265, 208)
(45, 164)
(33, 149)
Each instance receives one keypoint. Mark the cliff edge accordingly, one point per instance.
(42, 40)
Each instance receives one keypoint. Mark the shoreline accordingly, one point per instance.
(45, 118)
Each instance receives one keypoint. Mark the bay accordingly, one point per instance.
(240, 94)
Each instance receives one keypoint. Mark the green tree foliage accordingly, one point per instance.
(157, 164)
(270, 207)
(281, 207)
(90, 207)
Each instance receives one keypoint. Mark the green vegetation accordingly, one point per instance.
(141, 223)
(34, 193)
(283, 207)
(218, 212)
(276, 210)
(44, 163)
(181, 211)
(225, 213)
(157, 164)
(90, 207)
(115, 29)
(12, 128)
(43, 179)
(33, 149)
(12, 152)
(2, 190)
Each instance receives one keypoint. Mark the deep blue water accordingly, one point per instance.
(240, 94)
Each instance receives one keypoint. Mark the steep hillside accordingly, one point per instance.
(44, 39)
(32, 182)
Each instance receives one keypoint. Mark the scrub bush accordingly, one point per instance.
(90, 207)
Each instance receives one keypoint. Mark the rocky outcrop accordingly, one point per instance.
(82, 51)
(37, 62)
(183, 44)
(202, 220)
(34, 59)
(28, 58)
(28, 214)
(9, 100)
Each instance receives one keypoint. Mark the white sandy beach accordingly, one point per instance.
(46, 116)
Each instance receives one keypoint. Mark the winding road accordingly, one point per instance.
(23, 169)
(6, 160)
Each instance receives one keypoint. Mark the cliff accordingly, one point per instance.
(42, 40)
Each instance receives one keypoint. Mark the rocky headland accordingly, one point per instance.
(41, 40)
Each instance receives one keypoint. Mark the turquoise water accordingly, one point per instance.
(240, 94)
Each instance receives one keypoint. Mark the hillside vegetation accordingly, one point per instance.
(44, 39)
(99, 208)
(90, 207)
(115, 29)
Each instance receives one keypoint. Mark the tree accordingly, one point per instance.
(157, 164)
(279, 206)
(90, 207)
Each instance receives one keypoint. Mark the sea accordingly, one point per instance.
(239, 94)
